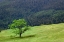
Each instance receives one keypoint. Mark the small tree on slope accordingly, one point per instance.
(20, 26)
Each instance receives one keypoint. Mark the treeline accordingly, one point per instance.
(46, 17)
(42, 17)
(35, 12)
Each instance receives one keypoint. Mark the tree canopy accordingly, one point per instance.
(20, 26)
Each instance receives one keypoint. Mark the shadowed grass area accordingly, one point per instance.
(15, 38)
(43, 33)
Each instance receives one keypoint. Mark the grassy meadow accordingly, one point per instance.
(43, 33)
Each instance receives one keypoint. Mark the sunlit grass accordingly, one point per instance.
(43, 33)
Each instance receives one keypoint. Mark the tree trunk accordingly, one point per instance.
(20, 32)
(20, 35)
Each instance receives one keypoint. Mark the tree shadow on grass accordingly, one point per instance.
(17, 38)
(28, 36)
(23, 37)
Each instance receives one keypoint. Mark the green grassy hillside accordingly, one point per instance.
(43, 33)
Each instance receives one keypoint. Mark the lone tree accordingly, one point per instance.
(20, 26)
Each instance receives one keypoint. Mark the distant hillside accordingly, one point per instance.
(35, 5)
(27, 9)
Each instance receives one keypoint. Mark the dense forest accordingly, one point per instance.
(35, 12)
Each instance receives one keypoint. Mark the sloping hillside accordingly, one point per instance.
(43, 33)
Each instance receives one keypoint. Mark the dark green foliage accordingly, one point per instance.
(47, 17)
(20, 26)
(0, 30)
(35, 12)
